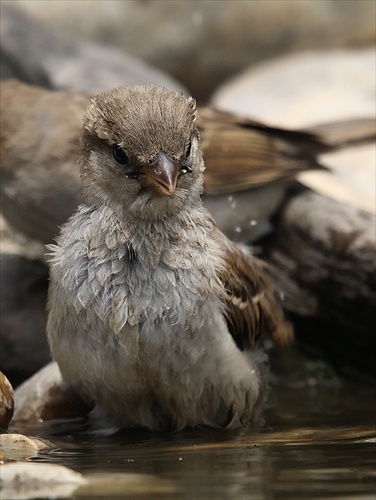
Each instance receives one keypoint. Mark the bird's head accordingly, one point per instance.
(140, 151)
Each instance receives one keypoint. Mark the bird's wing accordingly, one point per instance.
(344, 133)
(253, 309)
(241, 153)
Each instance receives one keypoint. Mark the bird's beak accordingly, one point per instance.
(161, 174)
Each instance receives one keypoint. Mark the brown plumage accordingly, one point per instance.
(252, 313)
(241, 153)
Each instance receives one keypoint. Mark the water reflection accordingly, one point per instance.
(315, 444)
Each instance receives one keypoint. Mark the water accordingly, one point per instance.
(317, 443)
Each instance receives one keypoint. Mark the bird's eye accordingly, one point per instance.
(119, 154)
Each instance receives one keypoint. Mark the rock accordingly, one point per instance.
(208, 42)
(43, 480)
(19, 447)
(25, 480)
(351, 178)
(323, 258)
(6, 401)
(23, 286)
(45, 397)
(42, 56)
(244, 216)
(313, 87)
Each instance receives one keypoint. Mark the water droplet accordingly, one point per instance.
(268, 344)
(253, 222)
(238, 229)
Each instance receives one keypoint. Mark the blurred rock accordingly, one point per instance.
(23, 286)
(42, 480)
(245, 216)
(24, 480)
(304, 89)
(19, 447)
(202, 43)
(351, 177)
(35, 53)
(6, 401)
(44, 397)
(323, 258)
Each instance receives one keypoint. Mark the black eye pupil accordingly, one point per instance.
(119, 154)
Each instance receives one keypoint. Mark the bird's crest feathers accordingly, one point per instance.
(143, 117)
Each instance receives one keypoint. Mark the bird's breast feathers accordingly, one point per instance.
(121, 279)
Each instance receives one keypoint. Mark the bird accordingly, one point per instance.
(155, 318)
(249, 164)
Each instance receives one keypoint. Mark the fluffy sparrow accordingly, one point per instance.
(155, 317)
(247, 162)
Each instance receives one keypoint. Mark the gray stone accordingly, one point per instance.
(46, 397)
(22, 480)
(304, 89)
(24, 347)
(323, 258)
(34, 53)
(204, 42)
